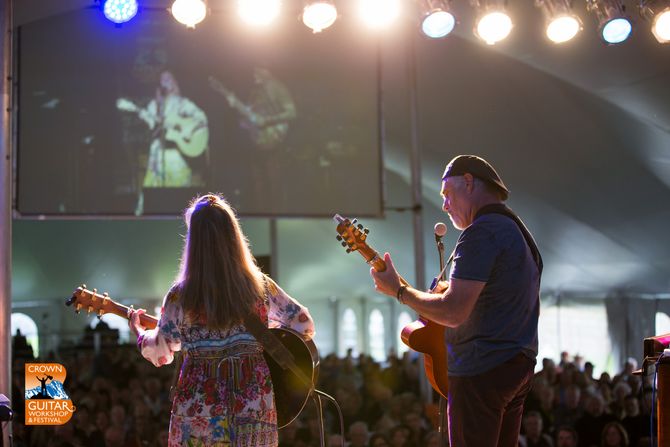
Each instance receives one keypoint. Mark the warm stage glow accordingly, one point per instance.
(438, 24)
(661, 26)
(379, 13)
(189, 12)
(494, 27)
(563, 29)
(319, 15)
(258, 12)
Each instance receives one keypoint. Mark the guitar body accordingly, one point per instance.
(188, 134)
(265, 137)
(423, 335)
(190, 142)
(427, 337)
(290, 392)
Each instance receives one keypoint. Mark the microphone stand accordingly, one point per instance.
(442, 412)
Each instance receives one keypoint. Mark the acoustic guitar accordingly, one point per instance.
(291, 392)
(423, 335)
(264, 136)
(190, 135)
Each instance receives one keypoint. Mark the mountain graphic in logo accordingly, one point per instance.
(54, 390)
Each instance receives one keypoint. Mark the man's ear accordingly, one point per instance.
(469, 181)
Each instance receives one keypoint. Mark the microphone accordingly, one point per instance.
(440, 230)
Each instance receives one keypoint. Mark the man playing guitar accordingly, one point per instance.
(489, 307)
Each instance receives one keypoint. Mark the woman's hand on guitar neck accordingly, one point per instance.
(134, 321)
(389, 281)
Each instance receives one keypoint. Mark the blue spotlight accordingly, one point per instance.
(613, 25)
(120, 11)
(616, 30)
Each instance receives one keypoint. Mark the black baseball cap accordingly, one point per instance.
(477, 167)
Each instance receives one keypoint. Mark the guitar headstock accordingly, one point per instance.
(126, 105)
(91, 301)
(353, 236)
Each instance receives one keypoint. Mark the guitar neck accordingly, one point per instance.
(372, 257)
(147, 321)
(93, 302)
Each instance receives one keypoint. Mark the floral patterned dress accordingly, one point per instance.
(224, 394)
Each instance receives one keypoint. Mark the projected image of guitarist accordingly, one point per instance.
(180, 134)
(489, 308)
(267, 112)
(265, 116)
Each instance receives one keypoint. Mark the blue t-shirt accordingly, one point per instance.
(503, 322)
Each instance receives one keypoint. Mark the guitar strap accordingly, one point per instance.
(274, 347)
(500, 208)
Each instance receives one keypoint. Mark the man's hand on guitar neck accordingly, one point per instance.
(441, 287)
(389, 281)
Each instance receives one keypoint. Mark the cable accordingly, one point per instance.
(653, 399)
(339, 411)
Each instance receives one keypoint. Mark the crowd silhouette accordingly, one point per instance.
(122, 401)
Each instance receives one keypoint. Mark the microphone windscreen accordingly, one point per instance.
(440, 229)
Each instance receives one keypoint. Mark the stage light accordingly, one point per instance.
(119, 11)
(258, 12)
(189, 12)
(613, 25)
(319, 15)
(436, 18)
(658, 11)
(562, 23)
(493, 23)
(379, 13)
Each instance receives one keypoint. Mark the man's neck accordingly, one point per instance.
(481, 203)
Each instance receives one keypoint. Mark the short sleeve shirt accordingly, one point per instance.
(503, 322)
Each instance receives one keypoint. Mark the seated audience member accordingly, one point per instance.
(635, 423)
(614, 435)
(566, 436)
(568, 411)
(590, 426)
(358, 434)
(532, 429)
(379, 440)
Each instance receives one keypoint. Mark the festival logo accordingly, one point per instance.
(47, 403)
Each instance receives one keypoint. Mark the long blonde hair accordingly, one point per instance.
(219, 280)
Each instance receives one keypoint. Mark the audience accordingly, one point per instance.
(121, 402)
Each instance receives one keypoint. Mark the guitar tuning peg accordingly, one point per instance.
(338, 237)
(77, 308)
(83, 286)
(90, 309)
(360, 226)
(344, 244)
(366, 231)
(348, 250)
(354, 221)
